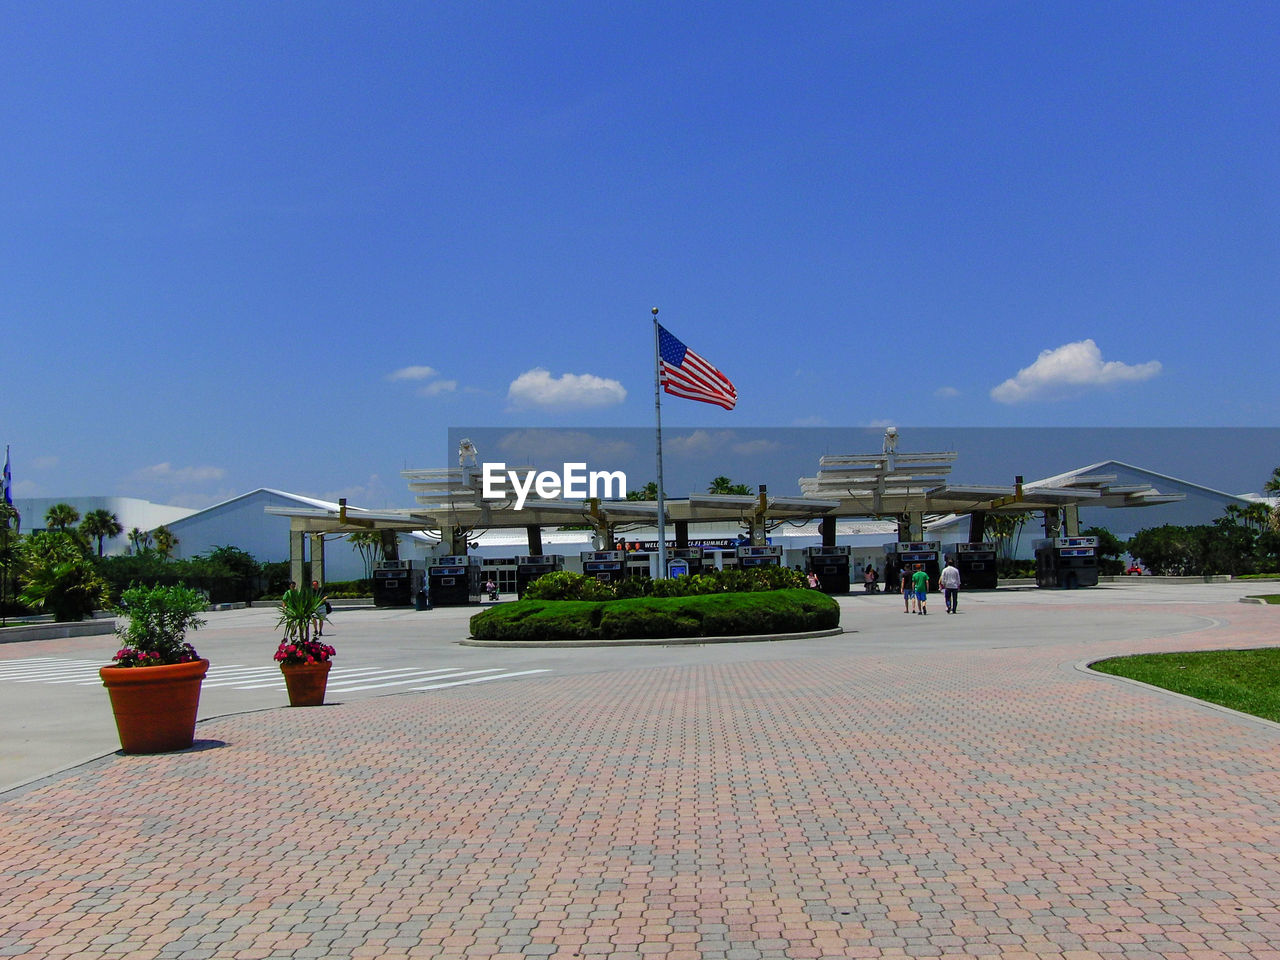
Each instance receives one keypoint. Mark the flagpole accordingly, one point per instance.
(657, 410)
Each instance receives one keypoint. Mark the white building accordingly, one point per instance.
(130, 511)
(244, 523)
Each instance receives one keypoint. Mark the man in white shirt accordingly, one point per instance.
(949, 581)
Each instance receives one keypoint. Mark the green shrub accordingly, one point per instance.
(528, 619)
(566, 585)
(756, 613)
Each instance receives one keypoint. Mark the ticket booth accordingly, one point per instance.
(692, 557)
(831, 564)
(607, 566)
(1067, 562)
(976, 563)
(454, 581)
(907, 555)
(759, 556)
(395, 583)
(530, 568)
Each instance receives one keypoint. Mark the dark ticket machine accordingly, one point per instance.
(529, 569)
(1067, 562)
(831, 564)
(976, 563)
(454, 581)
(907, 555)
(762, 556)
(395, 583)
(607, 566)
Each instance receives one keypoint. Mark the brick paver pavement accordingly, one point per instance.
(986, 803)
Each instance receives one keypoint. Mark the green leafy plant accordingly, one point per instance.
(70, 589)
(158, 619)
(566, 585)
(301, 611)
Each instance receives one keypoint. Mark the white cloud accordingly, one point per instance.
(810, 421)
(538, 388)
(438, 387)
(44, 463)
(1068, 371)
(412, 373)
(756, 447)
(168, 473)
(946, 392)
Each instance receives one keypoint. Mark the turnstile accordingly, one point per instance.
(976, 563)
(831, 565)
(1067, 562)
(395, 583)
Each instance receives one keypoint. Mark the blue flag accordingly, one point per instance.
(8, 479)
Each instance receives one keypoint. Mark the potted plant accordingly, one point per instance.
(304, 659)
(155, 683)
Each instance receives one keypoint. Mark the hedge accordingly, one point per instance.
(713, 615)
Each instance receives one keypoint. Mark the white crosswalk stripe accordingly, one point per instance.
(55, 670)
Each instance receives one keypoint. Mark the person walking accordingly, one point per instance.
(317, 625)
(920, 583)
(949, 581)
(908, 591)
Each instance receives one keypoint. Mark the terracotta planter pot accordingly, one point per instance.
(155, 707)
(306, 682)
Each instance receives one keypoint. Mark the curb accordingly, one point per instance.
(1085, 666)
(650, 642)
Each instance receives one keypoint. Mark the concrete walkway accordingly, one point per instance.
(869, 799)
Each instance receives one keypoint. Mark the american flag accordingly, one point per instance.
(685, 374)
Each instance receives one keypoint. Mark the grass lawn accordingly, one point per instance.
(1244, 680)
(1266, 597)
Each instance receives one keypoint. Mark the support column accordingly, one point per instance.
(682, 533)
(1071, 520)
(390, 545)
(298, 557)
(977, 526)
(534, 534)
(916, 528)
(317, 558)
(1051, 522)
(828, 527)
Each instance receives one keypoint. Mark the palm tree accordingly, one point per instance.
(369, 545)
(101, 525)
(648, 492)
(165, 541)
(60, 516)
(140, 539)
(723, 484)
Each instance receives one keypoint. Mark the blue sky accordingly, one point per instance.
(290, 244)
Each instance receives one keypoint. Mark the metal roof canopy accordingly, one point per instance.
(847, 485)
(894, 484)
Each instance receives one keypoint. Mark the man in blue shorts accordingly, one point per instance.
(920, 583)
